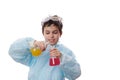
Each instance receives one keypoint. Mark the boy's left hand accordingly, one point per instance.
(55, 53)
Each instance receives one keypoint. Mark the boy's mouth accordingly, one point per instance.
(51, 40)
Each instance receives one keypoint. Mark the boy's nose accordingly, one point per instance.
(51, 35)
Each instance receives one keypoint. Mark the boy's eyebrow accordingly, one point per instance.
(46, 30)
(55, 30)
(49, 30)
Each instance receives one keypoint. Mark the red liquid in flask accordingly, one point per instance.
(54, 61)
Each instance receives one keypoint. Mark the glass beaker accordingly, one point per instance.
(35, 50)
(54, 61)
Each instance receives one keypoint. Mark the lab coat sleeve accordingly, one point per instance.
(20, 51)
(69, 65)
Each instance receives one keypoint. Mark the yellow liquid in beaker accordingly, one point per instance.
(35, 51)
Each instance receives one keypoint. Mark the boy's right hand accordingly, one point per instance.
(40, 44)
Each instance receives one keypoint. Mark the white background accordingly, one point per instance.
(91, 30)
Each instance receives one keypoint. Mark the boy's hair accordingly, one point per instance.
(52, 20)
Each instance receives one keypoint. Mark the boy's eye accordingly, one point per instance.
(55, 32)
(47, 32)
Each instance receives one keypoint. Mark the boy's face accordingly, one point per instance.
(51, 34)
